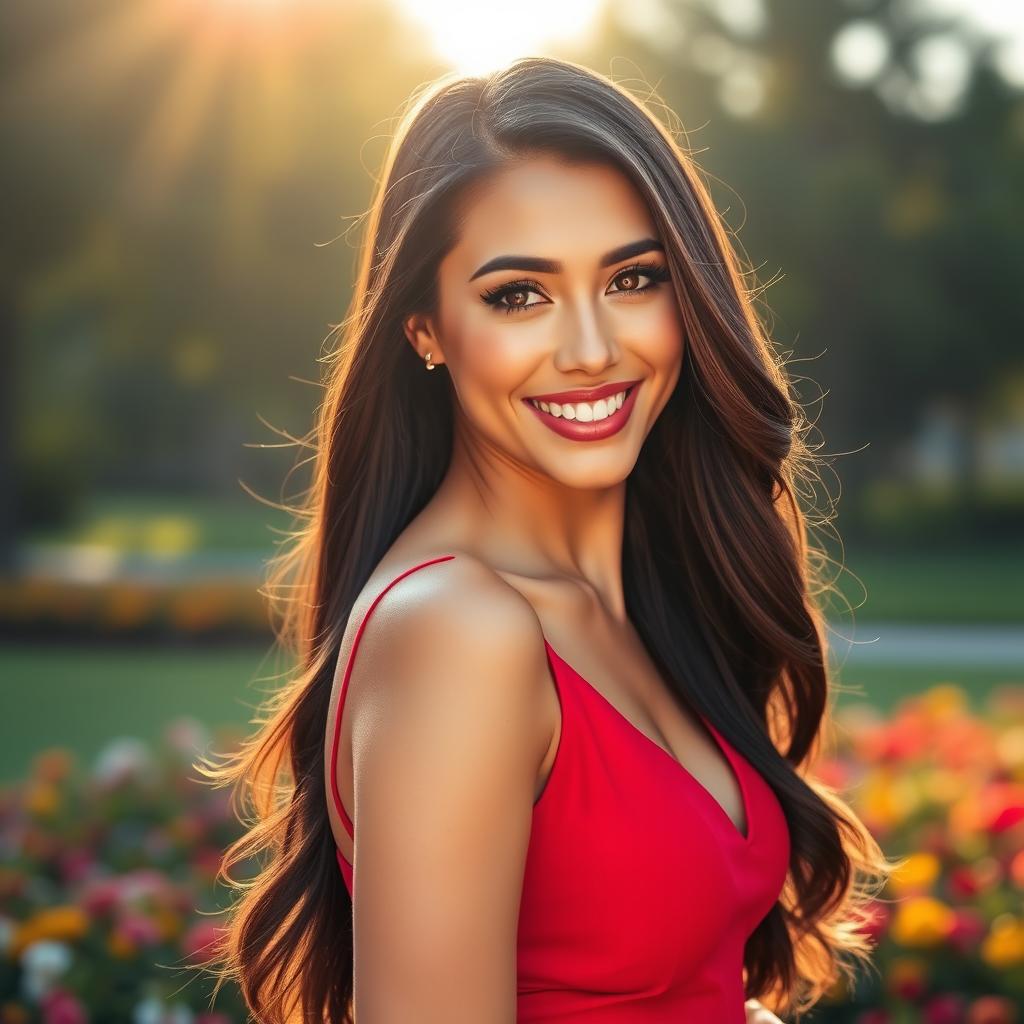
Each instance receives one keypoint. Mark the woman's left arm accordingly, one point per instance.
(757, 1014)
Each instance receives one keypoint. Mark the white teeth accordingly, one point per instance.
(585, 412)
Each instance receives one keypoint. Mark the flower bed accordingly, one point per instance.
(108, 890)
(942, 788)
(108, 887)
(121, 609)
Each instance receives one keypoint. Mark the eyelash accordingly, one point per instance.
(493, 297)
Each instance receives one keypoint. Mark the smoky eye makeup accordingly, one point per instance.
(495, 297)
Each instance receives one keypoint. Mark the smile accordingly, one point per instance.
(587, 421)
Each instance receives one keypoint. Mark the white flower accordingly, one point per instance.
(42, 963)
(122, 759)
(149, 1011)
(153, 1011)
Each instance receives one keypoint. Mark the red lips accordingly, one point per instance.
(592, 430)
(587, 394)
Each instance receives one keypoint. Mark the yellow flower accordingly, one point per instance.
(120, 946)
(916, 875)
(1004, 945)
(888, 798)
(63, 923)
(921, 921)
(1010, 746)
(946, 700)
(943, 787)
(42, 799)
(169, 923)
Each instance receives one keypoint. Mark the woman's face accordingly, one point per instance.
(557, 283)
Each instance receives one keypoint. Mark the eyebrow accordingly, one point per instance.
(540, 265)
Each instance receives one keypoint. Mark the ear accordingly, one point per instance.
(419, 329)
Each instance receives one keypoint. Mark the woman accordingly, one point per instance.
(554, 509)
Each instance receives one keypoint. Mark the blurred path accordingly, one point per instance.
(895, 643)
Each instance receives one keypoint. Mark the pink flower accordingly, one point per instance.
(908, 987)
(878, 922)
(968, 929)
(201, 940)
(947, 1008)
(75, 865)
(138, 929)
(143, 883)
(61, 1007)
(101, 896)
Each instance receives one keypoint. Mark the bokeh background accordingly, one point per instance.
(183, 184)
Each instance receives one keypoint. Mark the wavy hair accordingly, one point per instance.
(722, 580)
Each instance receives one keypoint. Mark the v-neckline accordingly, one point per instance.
(717, 738)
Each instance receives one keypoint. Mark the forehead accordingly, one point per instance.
(542, 206)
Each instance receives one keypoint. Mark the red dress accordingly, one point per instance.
(639, 890)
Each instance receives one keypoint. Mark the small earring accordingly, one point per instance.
(430, 365)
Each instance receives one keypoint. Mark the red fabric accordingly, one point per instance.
(639, 891)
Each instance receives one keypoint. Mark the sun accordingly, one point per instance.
(478, 37)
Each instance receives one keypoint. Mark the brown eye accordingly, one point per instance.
(496, 297)
(631, 277)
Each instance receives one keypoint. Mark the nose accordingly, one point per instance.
(589, 345)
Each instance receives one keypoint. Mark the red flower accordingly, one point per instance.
(968, 930)
(101, 896)
(991, 1010)
(878, 922)
(874, 1017)
(947, 1008)
(60, 1007)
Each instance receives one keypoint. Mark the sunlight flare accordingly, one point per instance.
(476, 38)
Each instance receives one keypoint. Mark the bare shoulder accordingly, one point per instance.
(452, 612)
(447, 738)
(451, 641)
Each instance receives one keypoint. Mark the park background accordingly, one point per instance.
(183, 184)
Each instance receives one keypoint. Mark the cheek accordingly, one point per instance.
(656, 334)
(495, 358)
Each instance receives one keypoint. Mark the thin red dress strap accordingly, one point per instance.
(346, 821)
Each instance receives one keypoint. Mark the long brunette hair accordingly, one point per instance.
(721, 578)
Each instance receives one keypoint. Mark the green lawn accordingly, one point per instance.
(80, 698)
(885, 685)
(969, 585)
